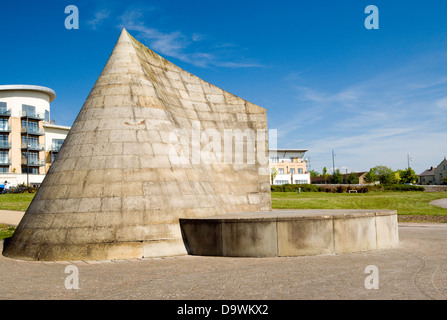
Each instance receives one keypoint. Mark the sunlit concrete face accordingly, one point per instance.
(151, 144)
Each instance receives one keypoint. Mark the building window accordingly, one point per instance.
(32, 141)
(47, 116)
(292, 171)
(4, 157)
(57, 144)
(29, 110)
(3, 140)
(32, 125)
(281, 171)
(274, 159)
(301, 181)
(31, 170)
(3, 124)
(300, 170)
(2, 107)
(281, 182)
(32, 157)
(4, 169)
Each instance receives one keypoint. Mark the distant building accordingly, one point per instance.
(288, 166)
(427, 177)
(434, 175)
(28, 140)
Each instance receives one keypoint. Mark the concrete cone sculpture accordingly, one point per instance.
(134, 162)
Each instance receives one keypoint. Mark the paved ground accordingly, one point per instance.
(417, 269)
(440, 203)
(11, 217)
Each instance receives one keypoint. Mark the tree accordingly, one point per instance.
(337, 177)
(444, 179)
(273, 174)
(371, 177)
(398, 176)
(325, 175)
(353, 178)
(408, 175)
(385, 175)
(314, 174)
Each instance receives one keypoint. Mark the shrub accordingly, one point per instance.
(296, 187)
(402, 187)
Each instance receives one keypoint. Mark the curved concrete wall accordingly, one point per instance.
(291, 233)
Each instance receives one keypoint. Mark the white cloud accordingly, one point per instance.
(442, 103)
(376, 122)
(99, 18)
(177, 44)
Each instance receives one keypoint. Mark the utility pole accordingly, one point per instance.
(333, 162)
(409, 159)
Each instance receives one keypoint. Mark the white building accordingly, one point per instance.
(288, 166)
(28, 139)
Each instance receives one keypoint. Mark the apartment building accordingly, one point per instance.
(29, 141)
(288, 166)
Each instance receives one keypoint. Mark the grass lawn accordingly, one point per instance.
(6, 231)
(15, 201)
(406, 203)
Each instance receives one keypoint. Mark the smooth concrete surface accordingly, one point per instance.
(414, 270)
(290, 232)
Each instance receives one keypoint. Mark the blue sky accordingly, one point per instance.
(328, 83)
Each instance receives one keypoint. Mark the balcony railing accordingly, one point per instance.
(33, 130)
(56, 147)
(5, 128)
(33, 162)
(33, 115)
(33, 146)
(5, 112)
(5, 145)
(5, 161)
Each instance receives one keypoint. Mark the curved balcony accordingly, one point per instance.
(5, 112)
(33, 115)
(33, 130)
(5, 128)
(5, 161)
(33, 162)
(5, 145)
(33, 146)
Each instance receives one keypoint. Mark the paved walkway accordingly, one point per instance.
(11, 217)
(417, 269)
(440, 203)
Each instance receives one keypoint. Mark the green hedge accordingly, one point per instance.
(402, 187)
(342, 188)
